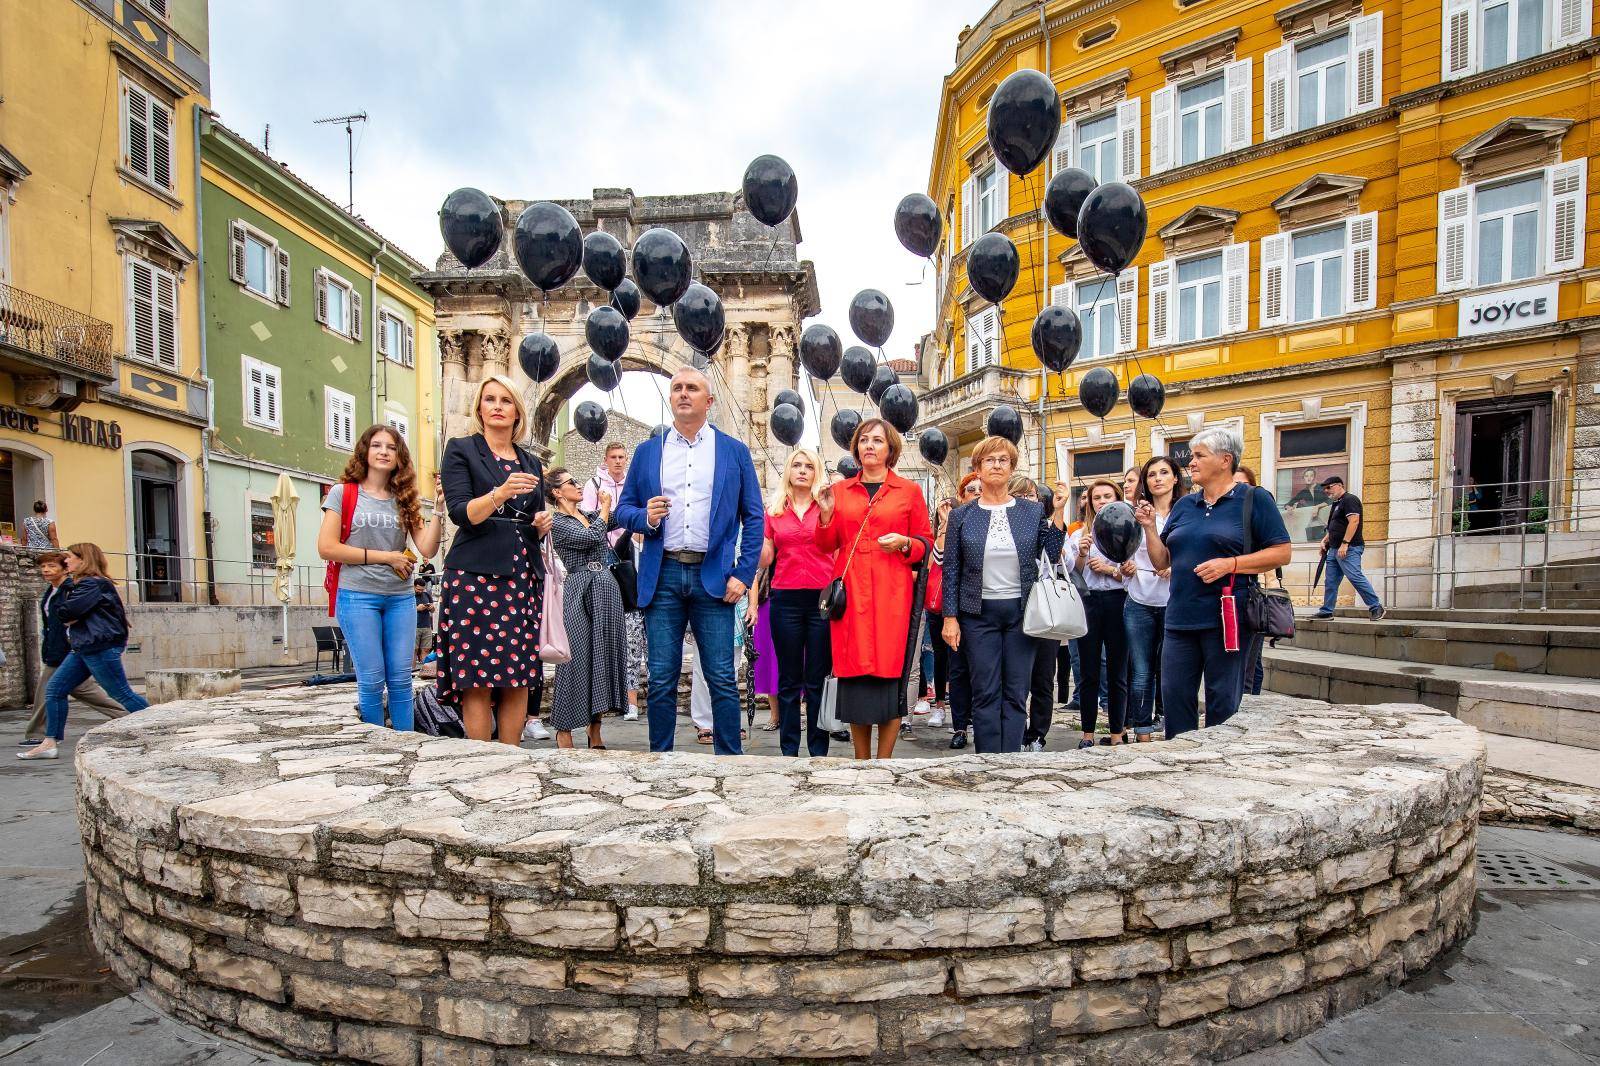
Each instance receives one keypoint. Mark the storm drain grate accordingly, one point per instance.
(1530, 872)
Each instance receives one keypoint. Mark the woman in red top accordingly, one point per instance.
(877, 522)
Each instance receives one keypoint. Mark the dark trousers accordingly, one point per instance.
(1190, 657)
(1107, 633)
(1042, 689)
(942, 657)
(960, 688)
(1145, 627)
(805, 655)
(1000, 664)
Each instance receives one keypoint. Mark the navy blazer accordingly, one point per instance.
(968, 535)
(469, 470)
(53, 645)
(737, 516)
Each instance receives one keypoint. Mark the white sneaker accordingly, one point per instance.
(631, 714)
(922, 707)
(936, 719)
(535, 730)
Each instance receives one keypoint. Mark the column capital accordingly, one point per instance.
(452, 346)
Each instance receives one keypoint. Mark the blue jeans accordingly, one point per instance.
(1190, 657)
(105, 667)
(1145, 626)
(680, 599)
(381, 632)
(1000, 664)
(1348, 567)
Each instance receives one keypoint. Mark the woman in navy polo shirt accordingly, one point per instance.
(1203, 543)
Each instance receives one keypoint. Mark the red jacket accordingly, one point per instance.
(871, 637)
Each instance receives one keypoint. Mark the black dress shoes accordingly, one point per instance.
(958, 740)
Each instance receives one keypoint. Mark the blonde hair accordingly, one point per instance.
(93, 559)
(522, 425)
(780, 495)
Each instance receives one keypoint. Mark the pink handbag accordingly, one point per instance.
(553, 644)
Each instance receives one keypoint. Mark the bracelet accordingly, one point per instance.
(1235, 562)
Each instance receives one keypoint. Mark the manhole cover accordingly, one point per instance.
(1530, 872)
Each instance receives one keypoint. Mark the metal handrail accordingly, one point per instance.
(239, 582)
(55, 332)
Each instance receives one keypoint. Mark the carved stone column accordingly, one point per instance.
(780, 376)
(496, 352)
(457, 392)
(738, 348)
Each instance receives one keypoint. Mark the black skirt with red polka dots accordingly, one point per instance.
(489, 629)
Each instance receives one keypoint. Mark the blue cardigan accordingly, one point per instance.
(967, 537)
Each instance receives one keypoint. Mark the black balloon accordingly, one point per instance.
(700, 319)
(1063, 199)
(604, 260)
(1111, 226)
(472, 226)
(788, 423)
(1024, 118)
(1004, 421)
(934, 445)
(993, 266)
(856, 367)
(790, 397)
(590, 421)
(1117, 531)
(603, 374)
(548, 245)
(872, 317)
(770, 189)
(843, 427)
(1056, 335)
(882, 378)
(539, 356)
(820, 351)
(607, 332)
(917, 224)
(847, 466)
(661, 265)
(899, 406)
(625, 298)
(1046, 497)
(1098, 392)
(1147, 396)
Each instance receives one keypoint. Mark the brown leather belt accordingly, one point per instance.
(687, 558)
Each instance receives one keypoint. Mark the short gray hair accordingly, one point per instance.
(1218, 439)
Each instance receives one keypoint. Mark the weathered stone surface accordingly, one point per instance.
(967, 1028)
(738, 980)
(1193, 997)
(286, 1028)
(1355, 870)
(779, 929)
(1336, 957)
(376, 956)
(171, 946)
(561, 925)
(1109, 962)
(632, 979)
(1009, 922)
(745, 1034)
(666, 928)
(1258, 982)
(1276, 891)
(186, 913)
(1398, 925)
(344, 903)
(830, 983)
(1169, 906)
(397, 856)
(443, 915)
(1014, 973)
(381, 1045)
(1085, 915)
(508, 969)
(484, 1020)
(172, 869)
(437, 1051)
(1102, 1008)
(239, 972)
(589, 1031)
(495, 874)
(623, 859)
(366, 1002)
(256, 887)
(780, 845)
(305, 943)
(1239, 942)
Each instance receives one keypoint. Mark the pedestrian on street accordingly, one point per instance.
(1343, 546)
(38, 531)
(611, 478)
(1149, 587)
(53, 650)
(1042, 685)
(1103, 650)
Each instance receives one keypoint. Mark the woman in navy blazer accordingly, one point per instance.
(991, 561)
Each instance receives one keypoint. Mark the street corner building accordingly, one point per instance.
(1370, 254)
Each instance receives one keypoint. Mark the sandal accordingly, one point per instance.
(769, 727)
(702, 736)
(597, 747)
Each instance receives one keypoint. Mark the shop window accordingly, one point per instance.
(263, 556)
(1484, 34)
(1307, 455)
(1513, 229)
(1092, 465)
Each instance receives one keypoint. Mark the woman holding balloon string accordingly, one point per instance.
(1103, 606)
(1160, 485)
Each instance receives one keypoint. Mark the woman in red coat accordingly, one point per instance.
(877, 522)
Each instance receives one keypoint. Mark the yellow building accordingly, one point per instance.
(1368, 250)
(103, 394)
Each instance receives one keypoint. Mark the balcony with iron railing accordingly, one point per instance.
(41, 336)
(962, 404)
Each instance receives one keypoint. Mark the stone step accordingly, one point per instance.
(1572, 651)
(1481, 616)
(1562, 710)
(1529, 600)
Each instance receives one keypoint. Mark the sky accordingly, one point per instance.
(536, 100)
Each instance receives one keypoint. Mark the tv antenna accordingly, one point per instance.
(349, 122)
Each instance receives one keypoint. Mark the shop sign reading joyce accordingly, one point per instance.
(1497, 312)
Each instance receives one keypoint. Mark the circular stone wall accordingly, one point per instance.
(268, 867)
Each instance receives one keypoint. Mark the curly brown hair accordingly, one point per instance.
(402, 481)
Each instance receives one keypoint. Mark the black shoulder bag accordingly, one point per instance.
(1267, 611)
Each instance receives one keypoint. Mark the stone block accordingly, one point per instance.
(435, 913)
(1336, 957)
(246, 885)
(171, 946)
(172, 869)
(397, 856)
(1276, 891)
(749, 1034)
(625, 859)
(347, 999)
(1012, 922)
(984, 976)
(1355, 870)
(381, 1045)
(396, 960)
(498, 874)
(1101, 1009)
(651, 929)
(242, 973)
(302, 943)
(1411, 854)
(740, 980)
(1380, 897)
(1335, 914)
(1086, 915)
(286, 1028)
(589, 1031)
(171, 685)
(864, 982)
(578, 924)
(966, 1028)
(1111, 962)
(1192, 997)
(1238, 942)
(1168, 906)
(779, 929)
(632, 979)
(813, 844)
(486, 1021)
(211, 921)
(1399, 925)
(1258, 982)
(437, 1051)
(344, 903)
(549, 974)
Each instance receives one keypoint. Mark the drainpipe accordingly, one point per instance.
(377, 272)
(1044, 294)
(211, 386)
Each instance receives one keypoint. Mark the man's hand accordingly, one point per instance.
(1214, 570)
(736, 588)
(1344, 550)
(656, 510)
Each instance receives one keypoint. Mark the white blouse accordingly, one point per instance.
(1002, 570)
(1145, 586)
(1096, 582)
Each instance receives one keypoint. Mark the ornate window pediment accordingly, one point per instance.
(1516, 144)
(1198, 228)
(1320, 198)
(1312, 18)
(153, 241)
(1202, 56)
(11, 168)
(1097, 95)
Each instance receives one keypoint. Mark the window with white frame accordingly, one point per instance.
(338, 305)
(984, 202)
(152, 313)
(1097, 147)
(396, 338)
(1200, 121)
(1200, 297)
(397, 421)
(1319, 272)
(988, 199)
(1201, 118)
(340, 416)
(1199, 301)
(983, 339)
(1481, 35)
(5, 233)
(1320, 69)
(1306, 456)
(263, 395)
(1317, 80)
(263, 553)
(1107, 309)
(1105, 145)
(148, 135)
(256, 262)
(1513, 228)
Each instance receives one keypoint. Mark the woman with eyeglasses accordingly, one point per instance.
(1102, 609)
(1145, 613)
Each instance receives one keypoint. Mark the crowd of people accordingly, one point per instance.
(840, 591)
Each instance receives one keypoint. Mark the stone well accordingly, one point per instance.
(270, 868)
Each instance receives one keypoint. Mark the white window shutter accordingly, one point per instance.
(411, 345)
(1566, 187)
(1128, 139)
(969, 210)
(161, 138)
(1002, 194)
(974, 342)
(166, 319)
(236, 251)
(1276, 88)
(1061, 155)
(1235, 288)
(991, 336)
(284, 277)
(1162, 281)
(1455, 239)
(1062, 295)
(1274, 280)
(355, 315)
(1571, 21)
(1127, 310)
(271, 387)
(1236, 82)
(141, 310)
(1460, 38)
(1365, 85)
(383, 335)
(1163, 128)
(1361, 253)
(255, 389)
(321, 285)
(136, 121)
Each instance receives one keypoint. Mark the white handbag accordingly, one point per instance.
(828, 713)
(1055, 610)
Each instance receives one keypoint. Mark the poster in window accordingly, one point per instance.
(1302, 499)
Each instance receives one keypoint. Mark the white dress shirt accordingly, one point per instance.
(689, 469)
(1145, 586)
(1093, 580)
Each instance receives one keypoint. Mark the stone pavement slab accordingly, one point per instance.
(1540, 758)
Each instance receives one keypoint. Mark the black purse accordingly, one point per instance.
(1267, 611)
(831, 603)
(626, 572)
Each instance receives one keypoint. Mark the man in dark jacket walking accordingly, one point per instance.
(53, 650)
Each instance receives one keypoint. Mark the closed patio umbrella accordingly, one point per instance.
(285, 503)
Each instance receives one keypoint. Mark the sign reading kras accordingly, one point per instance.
(1497, 312)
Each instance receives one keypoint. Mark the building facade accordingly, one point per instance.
(103, 379)
(1370, 250)
(314, 331)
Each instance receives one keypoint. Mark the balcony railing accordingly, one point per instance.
(62, 339)
(992, 384)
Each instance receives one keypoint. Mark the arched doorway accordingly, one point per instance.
(157, 542)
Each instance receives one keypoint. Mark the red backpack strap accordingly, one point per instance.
(349, 491)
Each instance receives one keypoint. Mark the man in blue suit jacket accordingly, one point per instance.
(693, 493)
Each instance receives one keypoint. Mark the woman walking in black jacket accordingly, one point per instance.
(97, 630)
